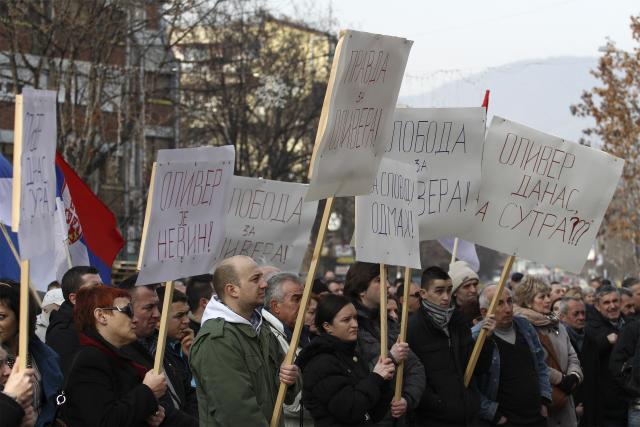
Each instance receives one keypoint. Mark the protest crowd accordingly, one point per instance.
(217, 328)
(552, 356)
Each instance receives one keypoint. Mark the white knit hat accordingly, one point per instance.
(460, 272)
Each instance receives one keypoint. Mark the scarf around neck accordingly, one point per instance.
(538, 320)
(575, 336)
(440, 316)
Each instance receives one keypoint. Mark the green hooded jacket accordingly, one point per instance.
(236, 370)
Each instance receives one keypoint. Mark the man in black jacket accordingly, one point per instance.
(572, 313)
(625, 368)
(603, 327)
(362, 287)
(62, 336)
(199, 292)
(146, 313)
(179, 340)
(443, 342)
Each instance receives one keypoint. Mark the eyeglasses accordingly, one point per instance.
(416, 295)
(127, 309)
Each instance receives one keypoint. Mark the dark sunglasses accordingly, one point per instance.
(127, 309)
(416, 295)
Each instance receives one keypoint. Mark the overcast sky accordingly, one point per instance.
(456, 37)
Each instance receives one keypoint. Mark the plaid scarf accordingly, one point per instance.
(440, 316)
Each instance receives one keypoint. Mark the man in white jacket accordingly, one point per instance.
(281, 306)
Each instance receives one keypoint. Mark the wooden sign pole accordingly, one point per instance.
(403, 329)
(23, 321)
(384, 350)
(162, 334)
(492, 309)
(147, 214)
(295, 339)
(168, 292)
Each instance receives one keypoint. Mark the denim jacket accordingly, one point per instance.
(490, 381)
(48, 363)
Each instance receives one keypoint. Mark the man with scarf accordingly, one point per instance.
(516, 389)
(362, 287)
(603, 328)
(443, 342)
(572, 313)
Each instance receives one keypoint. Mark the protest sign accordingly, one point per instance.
(184, 223)
(386, 219)
(268, 221)
(444, 145)
(357, 113)
(34, 174)
(541, 197)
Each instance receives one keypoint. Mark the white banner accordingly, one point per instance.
(386, 220)
(34, 194)
(186, 222)
(542, 198)
(268, 221)
(445, 147)
(357, 113)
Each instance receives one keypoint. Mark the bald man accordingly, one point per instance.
(234, 355)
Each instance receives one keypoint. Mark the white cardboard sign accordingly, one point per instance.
(386, 220)
(186, 222)
(357, 113)
(268, 221)
(444, 145)
(34, 193)
(542, 198)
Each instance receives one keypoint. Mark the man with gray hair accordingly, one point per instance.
(603, 327)
(515, 391)
(281, 305)
(572, 313)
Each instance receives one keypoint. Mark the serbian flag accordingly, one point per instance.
(93, 236)
(84, 225)
(9, 268)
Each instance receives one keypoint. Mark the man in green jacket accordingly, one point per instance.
(235, 358)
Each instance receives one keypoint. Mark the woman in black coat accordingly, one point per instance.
(104, 387)
(338, 389)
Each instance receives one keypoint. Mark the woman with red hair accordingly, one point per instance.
(105, 388)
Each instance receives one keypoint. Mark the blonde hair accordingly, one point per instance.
(528, 289)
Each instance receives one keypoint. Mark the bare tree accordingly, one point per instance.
(615, 106)
(257, 83)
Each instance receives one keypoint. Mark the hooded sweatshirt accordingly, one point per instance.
(235, 362)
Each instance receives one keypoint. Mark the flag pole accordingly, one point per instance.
(306, 294)
(5, 233)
